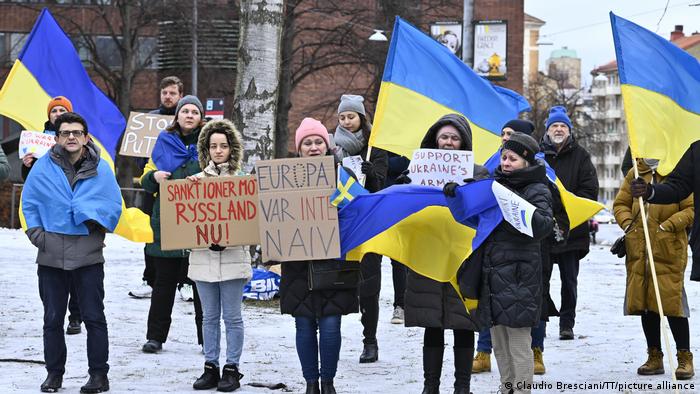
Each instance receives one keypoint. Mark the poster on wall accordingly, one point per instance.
(448, 34)
(490, 43)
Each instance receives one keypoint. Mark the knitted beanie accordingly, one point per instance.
(189, 99)
(521, 126)
(309, 127)
(351, 102)
(59, 100)
(523, 145)
(558, 114)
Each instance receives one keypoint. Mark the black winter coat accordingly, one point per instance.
(576, 171)
(297, 300)
(511, 279)
(429, 303)
(682, 181)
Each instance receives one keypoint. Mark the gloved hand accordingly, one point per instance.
(640, 188)
(468, 180)
(216, 247)
(368, 168)
(449, 189)
(403, 179)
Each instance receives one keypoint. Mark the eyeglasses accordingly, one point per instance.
(75, 133)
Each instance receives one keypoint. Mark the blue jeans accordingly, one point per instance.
(308, 345)
(538, 332)
(54, 286)
(222, 299)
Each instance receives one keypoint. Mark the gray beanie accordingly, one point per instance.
(523, 145)
(189, 99)
(351, 102)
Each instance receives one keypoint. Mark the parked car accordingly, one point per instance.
(604, 216)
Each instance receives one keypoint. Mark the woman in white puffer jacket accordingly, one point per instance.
(220, 272)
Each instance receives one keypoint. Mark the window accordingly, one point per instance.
(17, 41)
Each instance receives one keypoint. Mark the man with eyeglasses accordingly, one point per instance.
(69, 234)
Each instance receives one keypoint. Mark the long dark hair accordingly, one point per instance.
(366, 127)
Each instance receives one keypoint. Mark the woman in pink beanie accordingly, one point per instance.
(317, 313)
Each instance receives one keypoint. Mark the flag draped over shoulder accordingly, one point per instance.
(49, 66)
(423, 81)
(660, 86)
(578, 209)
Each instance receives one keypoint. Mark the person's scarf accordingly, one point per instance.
(170, 152)
(348, 143)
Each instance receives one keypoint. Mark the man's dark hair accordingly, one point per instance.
(172, 80)
(71, 117)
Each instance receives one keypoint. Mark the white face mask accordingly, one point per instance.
(652, 163)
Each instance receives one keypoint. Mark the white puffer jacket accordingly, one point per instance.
(234, 261)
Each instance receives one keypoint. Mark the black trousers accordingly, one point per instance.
(369, 296)
(168, 272)
(435, 337)
(398, 275)
(73, 304)
(651, 324)
(568, 272)
(149, 271)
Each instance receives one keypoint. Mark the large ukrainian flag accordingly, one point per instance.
(423, 81)
(661, 92)
(49, 66)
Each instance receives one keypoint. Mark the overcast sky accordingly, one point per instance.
(585, 25)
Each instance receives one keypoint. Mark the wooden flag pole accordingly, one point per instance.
(650, 258)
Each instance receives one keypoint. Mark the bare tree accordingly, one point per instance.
(257, 78)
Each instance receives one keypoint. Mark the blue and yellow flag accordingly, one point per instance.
(347, 189)
(423, 81)
(661, 93)
(49, 66)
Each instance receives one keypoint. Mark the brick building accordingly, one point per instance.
(316, 94)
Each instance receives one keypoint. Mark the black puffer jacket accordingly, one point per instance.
(297, 300)
(576, 171)
(511, 288)
(429, 303)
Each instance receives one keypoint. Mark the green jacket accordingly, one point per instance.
(150, 185)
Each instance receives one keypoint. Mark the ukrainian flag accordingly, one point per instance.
(423, 81)
(49, 66)
(661, 92)
(348, 188)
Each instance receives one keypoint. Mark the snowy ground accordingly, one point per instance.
(609, 347)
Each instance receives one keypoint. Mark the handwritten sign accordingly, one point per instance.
(142, 132)
(355, 164)
(35, 142)
(297, 220)
(217, 210)
(437, 167)
(516, 210)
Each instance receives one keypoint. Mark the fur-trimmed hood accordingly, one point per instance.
(234, 141)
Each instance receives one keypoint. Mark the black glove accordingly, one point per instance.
(402, 179)
(449, 189)
(468, 180)
(368, 168)
(216, 247)
(640, 188)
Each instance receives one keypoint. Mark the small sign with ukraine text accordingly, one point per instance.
(515, 209)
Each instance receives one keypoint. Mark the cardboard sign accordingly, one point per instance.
(355, 164)
(436, 167)
(217, 210)
(35, 142)
(516, 211)
(142, 132)
(297, 220)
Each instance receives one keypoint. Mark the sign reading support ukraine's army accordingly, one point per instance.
(217, 210)
(436, 167)
(297, 220)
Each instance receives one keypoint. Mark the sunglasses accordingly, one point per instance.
(75, 133)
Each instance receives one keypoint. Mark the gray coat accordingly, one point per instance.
(69, 252)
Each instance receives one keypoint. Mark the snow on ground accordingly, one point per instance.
(609, 346)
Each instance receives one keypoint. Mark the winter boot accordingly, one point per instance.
(685, 368)
(566, 333)
(327, 387)
(312, 387)
(432, 369)
(52, 383)
(539, 361)
(152, 346)
(463, 369)
(98, 383)
(73, 327)
(482, 362)
(654, 364)
(209, 379)
(230, 378)
(370, 353)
